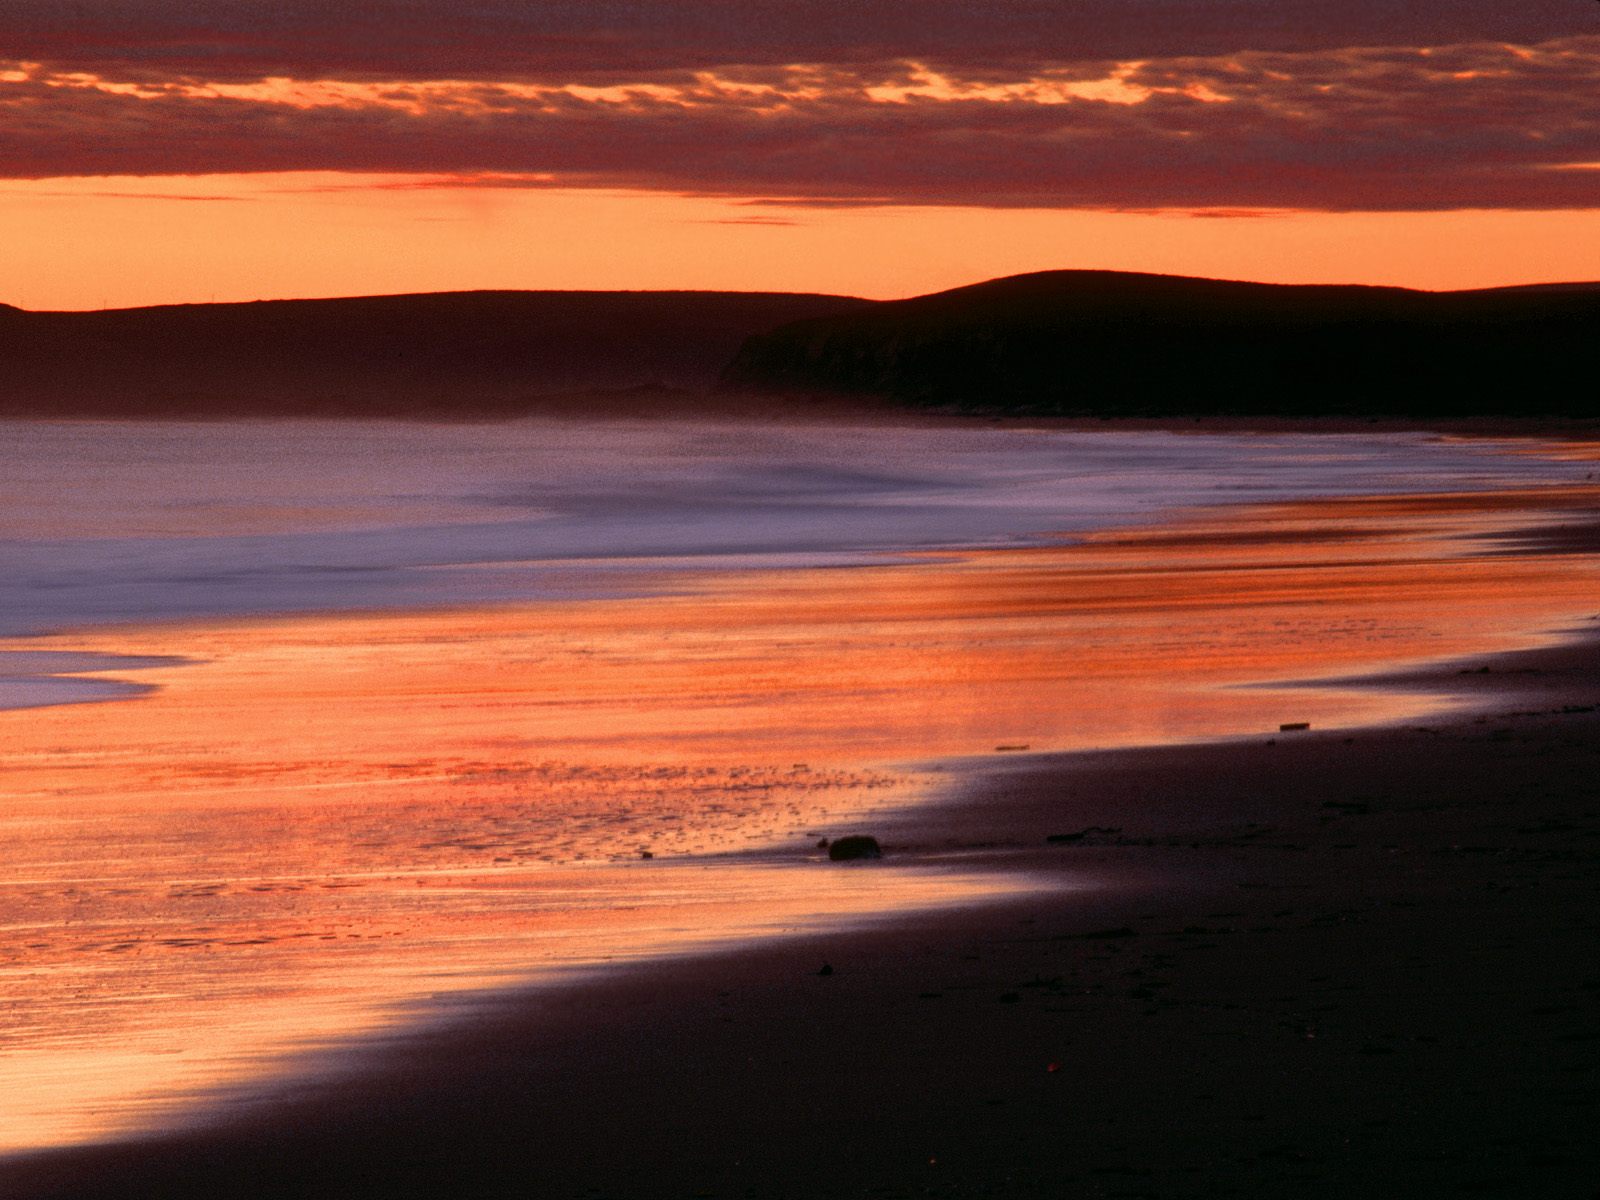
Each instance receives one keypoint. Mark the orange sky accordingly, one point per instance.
(118, 242)
(155, 151)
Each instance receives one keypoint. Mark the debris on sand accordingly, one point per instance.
(860, 846)
(1058, 839)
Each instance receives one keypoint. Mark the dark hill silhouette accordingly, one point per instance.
(1075, 343)
(1110, 343)
(442, 355)
(1540, 287)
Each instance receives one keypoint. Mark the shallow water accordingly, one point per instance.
(386, 713)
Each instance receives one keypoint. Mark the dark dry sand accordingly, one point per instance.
(1311, 964)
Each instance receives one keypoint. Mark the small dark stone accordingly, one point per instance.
(1293, 726)
(827, 969)
(859, 846)
(823, 844)
(1067, 838)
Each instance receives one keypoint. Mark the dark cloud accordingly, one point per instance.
(185, 197)
(1485, 125)
(237, 40)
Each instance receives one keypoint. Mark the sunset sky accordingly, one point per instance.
(157, 151)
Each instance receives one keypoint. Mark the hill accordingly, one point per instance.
(1101, 343)
(442, 355)
(1069, 343)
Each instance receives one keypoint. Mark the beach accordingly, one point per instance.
(1130, 937)
(1284, 965)
(802, 600)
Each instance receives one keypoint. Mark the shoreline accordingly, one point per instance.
(835, 410)
(1310, 964)
(1114, 838)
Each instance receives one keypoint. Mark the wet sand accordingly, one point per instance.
(1300, 963)
(1309, 965)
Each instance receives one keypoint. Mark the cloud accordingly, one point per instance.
(606, 40)
(184, 197)
(1383, 128)
(784, 222)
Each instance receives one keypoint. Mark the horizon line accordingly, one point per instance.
(1537, 285)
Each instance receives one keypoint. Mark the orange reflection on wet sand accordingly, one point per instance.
(319, 823)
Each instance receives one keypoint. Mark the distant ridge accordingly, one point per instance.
(1070, 343)
(1103, 343)
(443, 355)
(1543, 287)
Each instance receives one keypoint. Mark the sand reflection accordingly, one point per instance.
(316, 824)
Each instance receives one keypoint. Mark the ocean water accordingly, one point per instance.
(106, 522)
(313, 728)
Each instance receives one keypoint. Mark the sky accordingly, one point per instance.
(156, 151)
